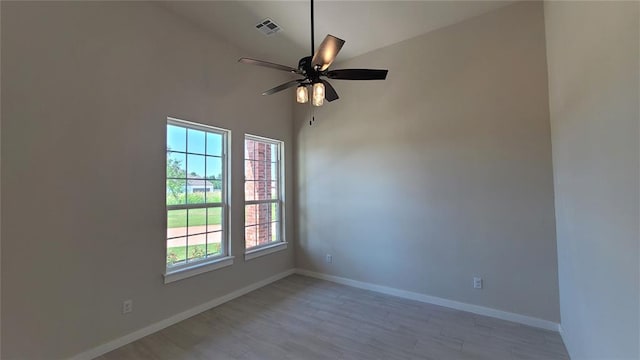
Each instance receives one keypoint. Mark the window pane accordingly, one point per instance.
(197, 247)
(271, 213)
(214, 144)
(176, 163)
(197, 221)
(250, 215)
(176, 250)
(258, 170)
(274, 231)
(274, 212)
(214, 168)
(176, 223)
(260, 190)
(214, 196)
(260, 213)
(264, 151)
(214, 243)
(264, 213)
(249, 149)
(274, 153)
(195, 166)
(258, 235)
(258, 150)
(214, 219)
(274, 171)
(264, 171)
(254, 191)
(250, 237)
(249, 190)
(176, 138)
(195, 141)
(248, 170)
(197, 185)
(194, 196)
(265, 235)
(176, 191)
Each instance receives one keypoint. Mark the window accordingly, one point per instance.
(196, 198)
(263, 195)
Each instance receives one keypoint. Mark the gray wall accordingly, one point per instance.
(592, 50)
(441, 172)
(86, 89)
(0, 192)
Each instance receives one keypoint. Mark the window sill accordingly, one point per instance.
(197, 269)
(252, 254)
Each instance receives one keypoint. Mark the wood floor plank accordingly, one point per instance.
(304, 318)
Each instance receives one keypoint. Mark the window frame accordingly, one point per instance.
(281, 243)
(188, 269)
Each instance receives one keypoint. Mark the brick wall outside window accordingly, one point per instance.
(261, 183)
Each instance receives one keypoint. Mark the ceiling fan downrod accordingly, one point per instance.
(313, 47)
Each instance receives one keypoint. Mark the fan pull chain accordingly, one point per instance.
(313, 114)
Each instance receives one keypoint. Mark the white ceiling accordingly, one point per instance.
(365, 25)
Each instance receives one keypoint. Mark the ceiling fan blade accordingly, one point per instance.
(329, 92)
(357, 74)
(284, 86)
(327, 52)
(268, 64)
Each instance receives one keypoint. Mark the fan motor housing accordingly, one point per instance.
(305, 66)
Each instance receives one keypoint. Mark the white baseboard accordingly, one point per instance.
(148, 330)
(563, 336)
(476, 309)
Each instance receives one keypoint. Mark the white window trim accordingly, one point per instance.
(197, 269)
(262, 250)
(180, 272)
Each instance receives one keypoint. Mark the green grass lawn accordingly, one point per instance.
(178, 218)
(197, 217)
(177, 254)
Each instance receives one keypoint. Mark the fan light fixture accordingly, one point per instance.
(302, 94)
(318, 94)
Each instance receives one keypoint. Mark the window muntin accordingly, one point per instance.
(196, 194)
(263, 192)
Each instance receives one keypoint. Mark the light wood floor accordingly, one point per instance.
(304, 318)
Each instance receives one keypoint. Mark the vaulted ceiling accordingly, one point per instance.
(365, 25)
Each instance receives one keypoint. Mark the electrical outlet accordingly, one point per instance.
(127, 306)
(477, 283)
(329, 258)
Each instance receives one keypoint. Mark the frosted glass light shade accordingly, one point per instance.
(302, 94)
(318, 94)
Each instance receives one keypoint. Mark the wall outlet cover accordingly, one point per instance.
(127, 306)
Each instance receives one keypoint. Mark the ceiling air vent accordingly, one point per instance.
(268, 27)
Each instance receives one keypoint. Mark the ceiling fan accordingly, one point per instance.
(316, 66)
